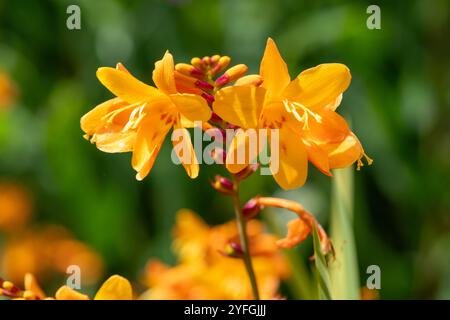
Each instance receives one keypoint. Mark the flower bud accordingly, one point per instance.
(189, 70)
(221, 65)
(197, 62)
(251, 209)
(233, 250)
(250, 80)
(204, 85)
(232, 74)
(186, 84)
(209, 98)
(223, 185)
(247, 172)
(214, 59)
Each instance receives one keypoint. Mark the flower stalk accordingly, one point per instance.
(241, 223)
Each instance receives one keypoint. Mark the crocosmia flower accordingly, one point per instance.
(141, 116)
(303, 110)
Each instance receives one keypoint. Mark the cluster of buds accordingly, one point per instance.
(10, 290)
(204, 76)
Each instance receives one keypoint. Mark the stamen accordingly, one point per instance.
(292, 107)
(361, 164)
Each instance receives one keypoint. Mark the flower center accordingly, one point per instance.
(295, 107)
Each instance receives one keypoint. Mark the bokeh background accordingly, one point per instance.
(398, 105)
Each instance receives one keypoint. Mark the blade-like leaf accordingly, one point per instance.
(323, 277)
(344, 269)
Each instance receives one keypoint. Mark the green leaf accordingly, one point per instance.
(344, 269)
(323, 277)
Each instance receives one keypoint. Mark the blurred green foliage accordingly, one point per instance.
(398, 104)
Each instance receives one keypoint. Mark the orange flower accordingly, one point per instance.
(207, 269)
(15, 207)
(8, 91)
(114, 288)
(47, 250)
(141, 116)
(304, 112)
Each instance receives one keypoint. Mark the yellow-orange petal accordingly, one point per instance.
(243, 150)
(318, 157)
(114, 142)
(163, 74)
(191, 106)
(318, 87)
(344, 154)
(31, 284)
(274, 70)
(331, 129)
(182, 146)
(240, 105)
(149, 139)
(67, 293)
(115, 288)
(290, 168)
(127, 87)
(298, 231)
(94, 119)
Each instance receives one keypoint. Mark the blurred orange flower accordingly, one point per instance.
(304, 112)
(8, 91)
(207, 269)
(46, 250)
(142, 115)
(114, 288)
(15, 207)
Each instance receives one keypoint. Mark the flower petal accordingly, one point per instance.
(114, 142)
(115, 288)
(298, 231)
(240, 105)
(344, 154)
(149, 139)
(243, 150)
(94, 119)
(67, 293)
(332, 129)
(127, 87)
(291, 167)
(320, 86)
(163, 74)
(31, 284)
(191, 106)
(318, 157)
(184, 150)
(274, 70)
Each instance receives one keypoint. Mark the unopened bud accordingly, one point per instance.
(232, 74)
(247, 172)
(251, 209)
(221, 65)
(214, 59)
(186, 84)
(197, 62)
(189, 70)
(233, 250)
(208, 97)
(219, 155)
(223, 185)
(250, 80)
(204, 85)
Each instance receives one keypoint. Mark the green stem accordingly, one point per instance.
(241, 222)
